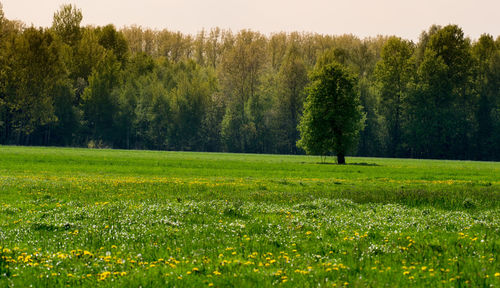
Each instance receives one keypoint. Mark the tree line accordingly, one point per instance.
(137, 88)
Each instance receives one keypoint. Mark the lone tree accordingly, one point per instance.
(332, 115)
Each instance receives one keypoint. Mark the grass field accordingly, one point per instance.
(82, 217)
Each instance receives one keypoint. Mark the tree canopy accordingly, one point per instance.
(332, 116)
(218, 90)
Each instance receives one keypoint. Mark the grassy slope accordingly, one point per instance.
(379, 221)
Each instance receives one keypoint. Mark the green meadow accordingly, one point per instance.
(81, 217)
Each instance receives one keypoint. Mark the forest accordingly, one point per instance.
(225, 91)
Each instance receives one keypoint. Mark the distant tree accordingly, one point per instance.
(99, 104)
(3, 79)
(211, 124)
(394, 74)
(36, 74)
(88, 54)
(424, 39)
(199, 48)
(487, 57)
(66, 24)
(213, 48)
(332, 115)
(174, 45)
(153, 113)
(441, 103)
(371, 138)
(189, 100)
(2, 15)
(135, 38)
(139, 68)
(292, 79)
(365, 57)
(278, 49)
(114, 40)
(240, 70)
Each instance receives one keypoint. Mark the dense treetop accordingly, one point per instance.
(219, 90)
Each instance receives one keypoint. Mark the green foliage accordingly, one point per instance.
(394, 73)
(372, 137)
(487, 58)
(88, 55)
(2, 19)
(36, 74)
(292, 80)
(113, 40)
(163, 105)
(242, 91)
(98, 103)
(240, 80)
(189, 100)
(66, 24)
(443, 97)
(332, 116)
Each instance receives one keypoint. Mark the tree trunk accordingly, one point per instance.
(340, 158)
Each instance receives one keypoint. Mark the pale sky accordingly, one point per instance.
(363, 18)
